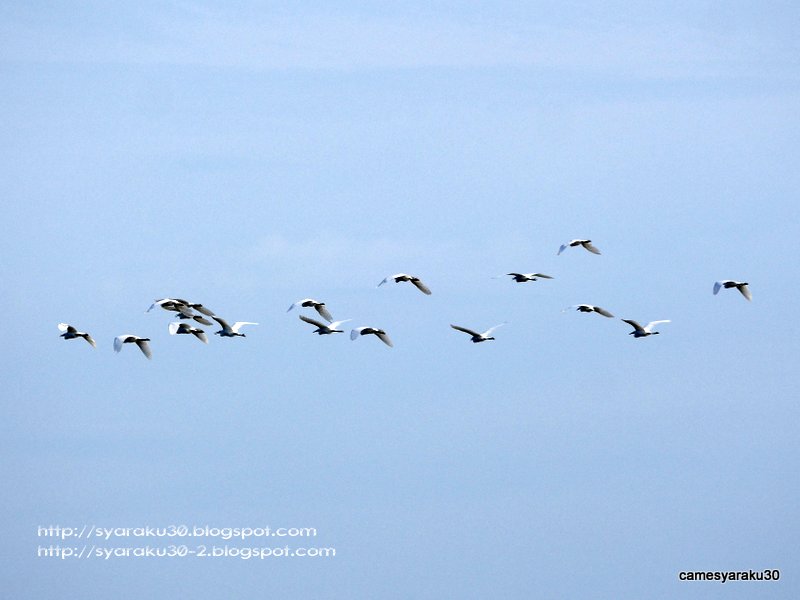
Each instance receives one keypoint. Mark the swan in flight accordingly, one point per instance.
(230, 330)
(184, 328)
(523, 277)
(587, 308)
(478, 337)
(585, 243)
(133, 339)
(729, 283)
(639, 331)
(70, 333)
(379, 333)
(324, 328)
(316, 305)
(398, 277)
(181, 305)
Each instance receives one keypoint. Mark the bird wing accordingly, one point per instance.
(174, 327)
(649, 327)
(239, 324)
(465, 330)
(200, 308)
(313, 322)
(223, 323)
(90, 339)
(634, 324)
(542, 275)
(717, 286)
(354, 333)
(202, 320)
(384, 338)
(421, 286)
(145, 348)
(602, 311)
(562, 248)
(200, 335)
(489, 331)
(64, 327)
(588, 245)
(745, 291)
(320, 308)
(118, 341)
(336, 324)
(385, 279)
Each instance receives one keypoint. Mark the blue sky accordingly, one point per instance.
(248, 155)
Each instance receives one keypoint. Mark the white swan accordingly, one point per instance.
(398, 277)
(231, 330)
(523, 277)
(70, 333)
(730, 283)
(478, 337)
(379, 333)
(639, 331)
(185, 328)
(324, 328)
(587, 308)
(585, 243)
(316, 305)
(133, 339)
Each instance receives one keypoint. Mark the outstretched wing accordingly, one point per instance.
(66, 328)
(313, 322)
(384, 338)
(223, 323)
(90, 339)
(588, 245)
(421, 286)
(145, 348)
(238, 324)
(200, 335)
(542, 275)
(649, 327)
(320, 308)
(745, 291)
(465, 330)
(634, 324)
(717, 286)
(602, 311)
(118, 341)
(489, 331)
(562, 248)
(354, 333)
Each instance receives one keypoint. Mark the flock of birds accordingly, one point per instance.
(190, 313)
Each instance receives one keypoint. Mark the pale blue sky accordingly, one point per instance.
(249, 155)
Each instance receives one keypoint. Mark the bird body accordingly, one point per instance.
(70, 333)
(400, 277)
(379, 333)
(730, 283)
(585, 243)
(475, 336)
(639, 331)
(133, 339)
(316, 305)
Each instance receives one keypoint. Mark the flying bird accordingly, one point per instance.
(133, 339)
(398, 277)
(379, 333)
(185, 328)
(324, 328)
(585, 243)
(316, 305)
(478, 337)
(729, 283)
(523, 277)
(182, 306)
(231, 330)
(70, 333)
(639, 331)
(587, 308)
